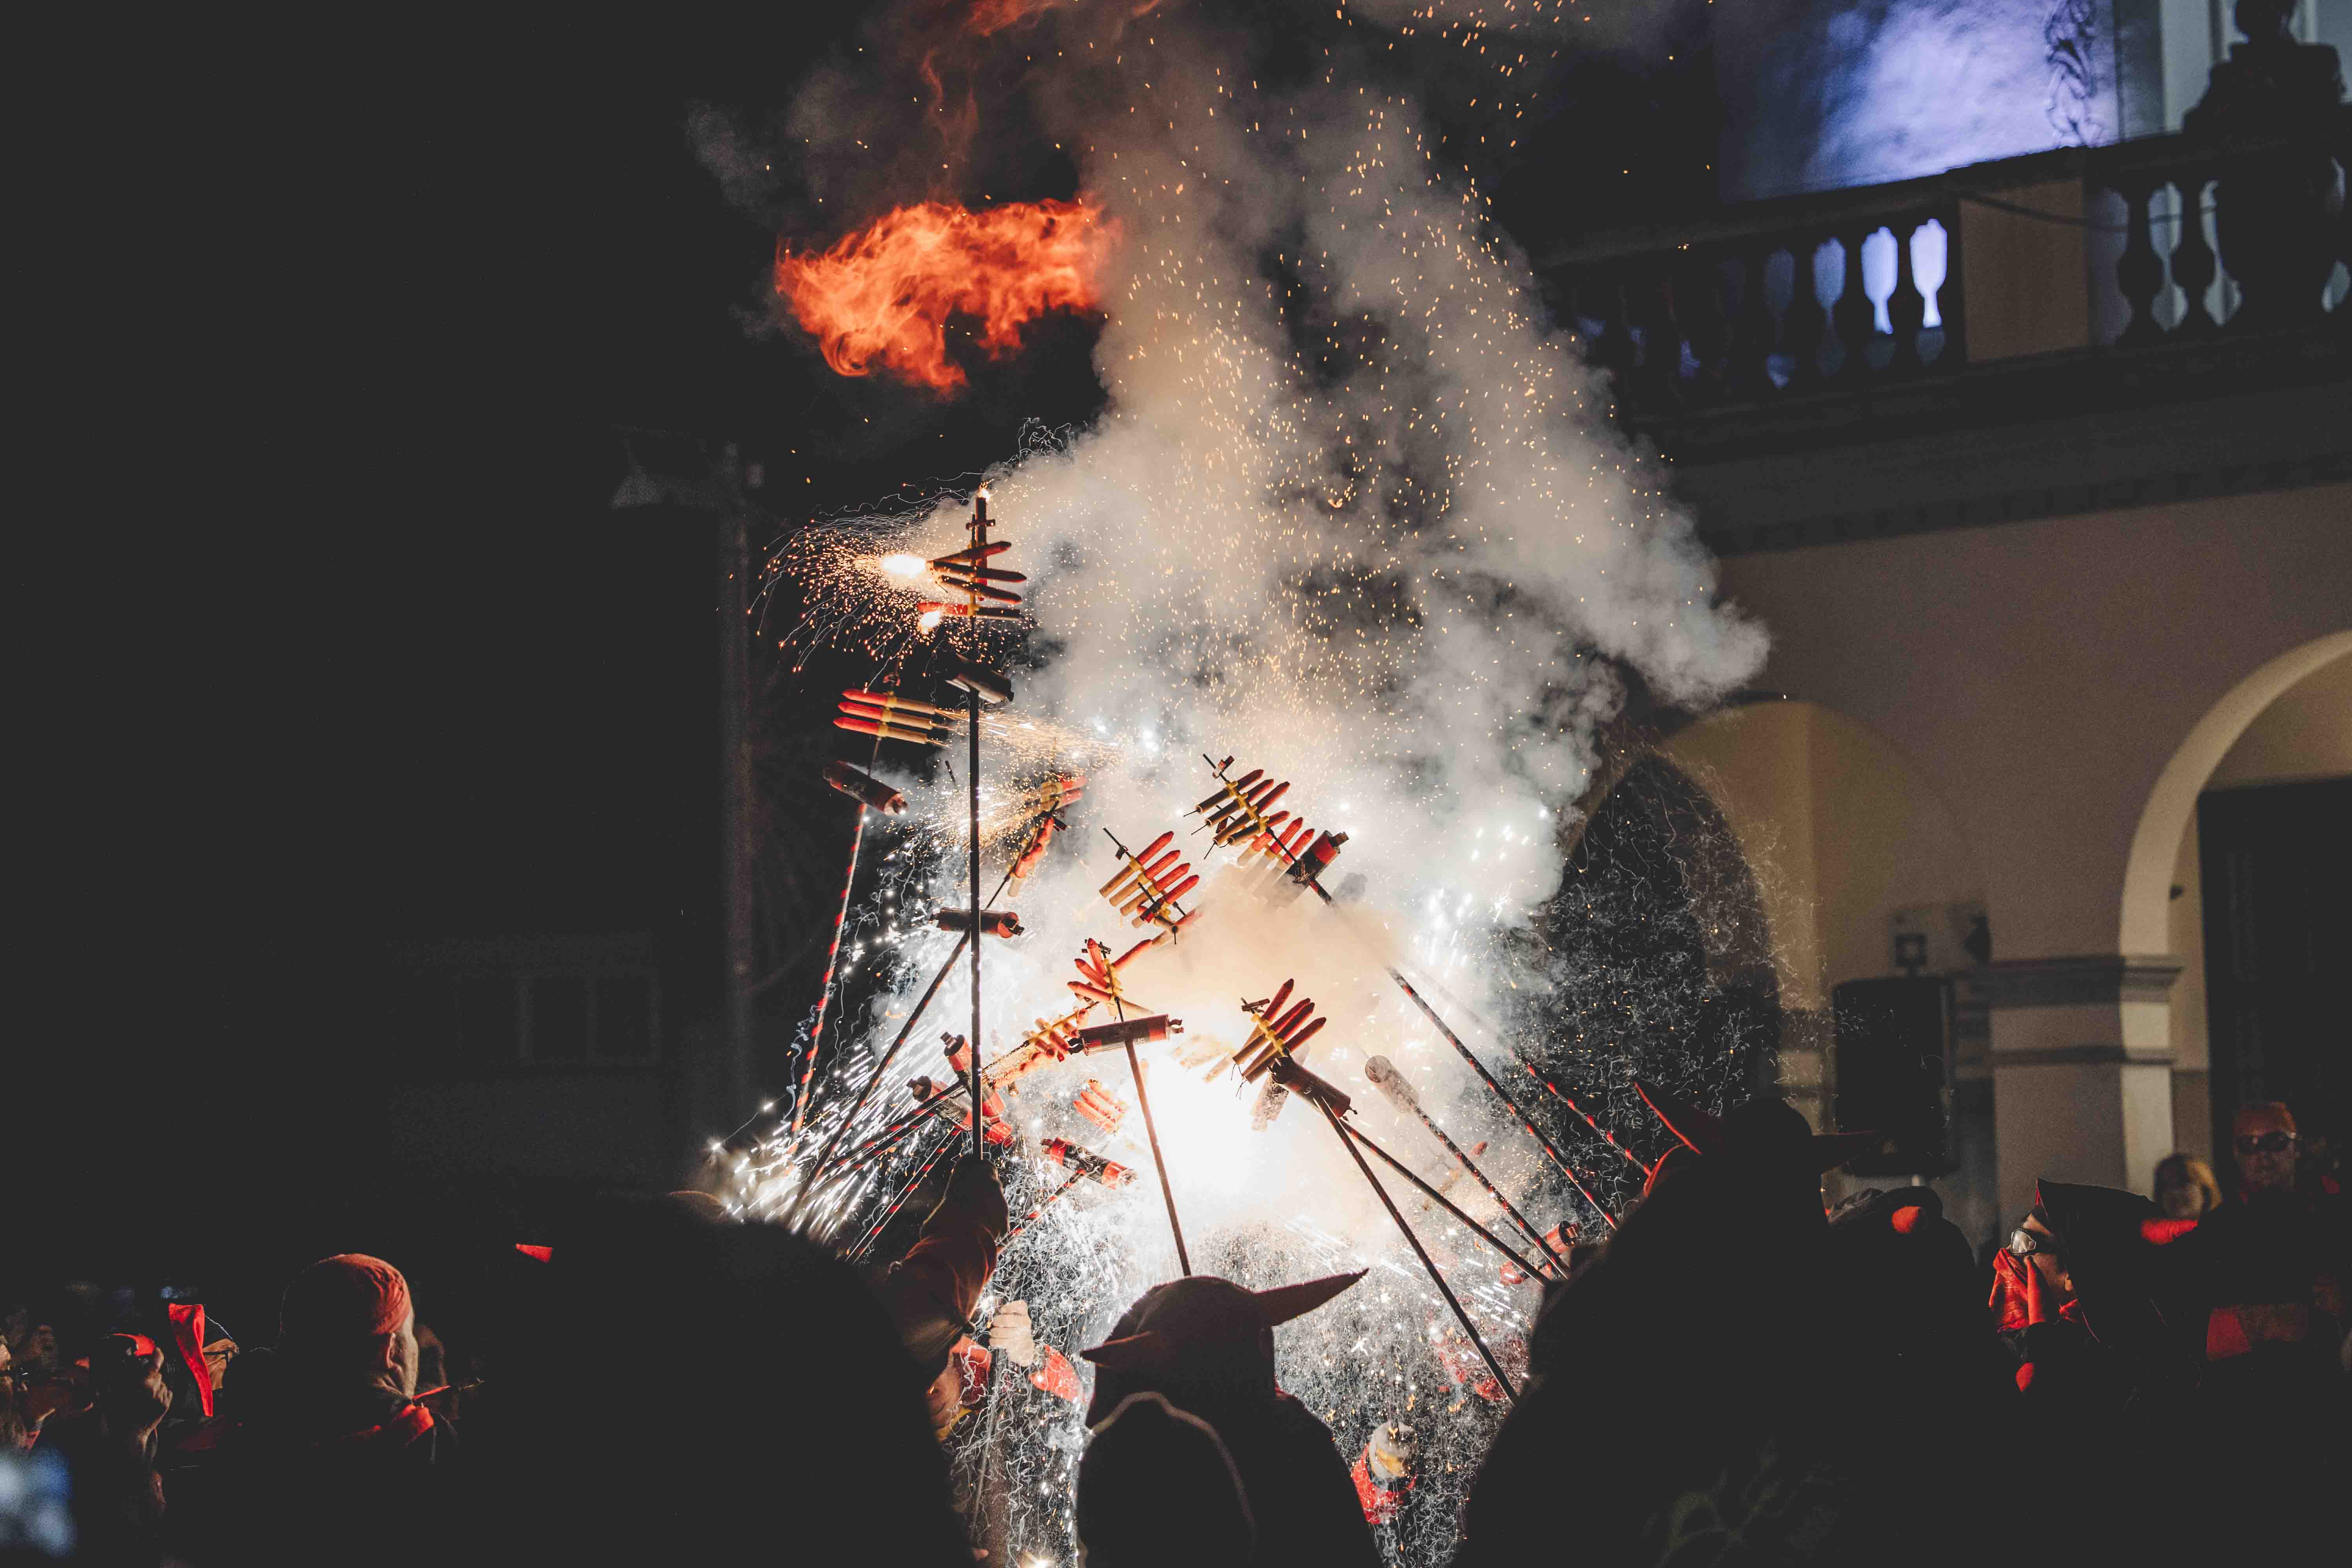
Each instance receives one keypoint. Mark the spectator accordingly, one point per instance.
(109, 1445)
(2268, 1270)
(1732, 1376)
(783, 1407)
(343, 1440)
(1147, 1453)
(2186, 1188)
(1206, 1346)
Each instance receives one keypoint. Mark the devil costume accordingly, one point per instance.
(1206, 1345)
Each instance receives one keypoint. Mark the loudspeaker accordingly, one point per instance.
(1894, 1072)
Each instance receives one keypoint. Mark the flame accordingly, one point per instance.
(884, 294)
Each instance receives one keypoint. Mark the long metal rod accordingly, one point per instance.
(1461, 1157)
(1340, 1131)
(1409, 1174)
(1557, 1094)
(832, 965)
(1167, 1193)
(883, 1219)
(792, 1211)
(1151, 1132)
(978, 1120)
(1526, 1122)
(1074, 1178)
(1490, 1079)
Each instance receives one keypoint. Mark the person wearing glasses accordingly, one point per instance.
(2270, 1266)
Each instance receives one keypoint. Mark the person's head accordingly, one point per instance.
(1202, 1341)
(1157, 1486)
(2185, 1187)
(2265, 21)
(347, 1323)
(2262, 1138)
(2044, 1253)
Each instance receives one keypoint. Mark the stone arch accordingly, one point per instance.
(2144, 922)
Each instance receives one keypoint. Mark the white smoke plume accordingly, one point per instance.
(1354, 514)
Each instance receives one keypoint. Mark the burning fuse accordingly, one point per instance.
(1100, 1106)
(1075, 1157)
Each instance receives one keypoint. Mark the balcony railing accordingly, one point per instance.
(2088, 249)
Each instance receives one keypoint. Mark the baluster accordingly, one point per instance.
(1855, 321)
(2194, 264)
(1755, 333)
(1662, 341)
(1808, 324)
(1906, 307)
(1614, 347)
(1706, 318)
(2139, 271)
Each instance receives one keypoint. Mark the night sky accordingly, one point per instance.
(336, 638)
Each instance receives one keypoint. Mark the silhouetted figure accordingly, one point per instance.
(109, 1445)
(340, 1463)
(2268, 1269)
(932, 1291)
(1146, 1456)
(1207, 1346)
(2279, 211)
(782, 1417)
(1696, 1384)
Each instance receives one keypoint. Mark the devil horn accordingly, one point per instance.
(1146, 1352)
(1285, 1302)
(1702, 1132)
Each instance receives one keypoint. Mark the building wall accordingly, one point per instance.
(2051, 683)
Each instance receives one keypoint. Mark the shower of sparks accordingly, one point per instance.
(1353, 514)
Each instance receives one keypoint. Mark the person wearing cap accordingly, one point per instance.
(1205, 1346)
(1697, 1383)
(344, 1454)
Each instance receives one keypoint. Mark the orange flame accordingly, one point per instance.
(883, 295)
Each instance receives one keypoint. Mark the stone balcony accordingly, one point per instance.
(2067, 331)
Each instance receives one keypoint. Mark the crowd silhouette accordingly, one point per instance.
(1736, 1377)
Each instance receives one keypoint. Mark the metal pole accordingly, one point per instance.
(875, 1230)
(977, 1119)
(1579, 1110)
(1070, 1182)
(1492, 1082)
(1340, 1131)
(1151, 1132)
(1462, 1157)
(832, 962)
(735, 795)
(880, 1067)
(1167, 1194)
(1409, 1174)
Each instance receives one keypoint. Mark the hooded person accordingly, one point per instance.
(344, 1441)
(1206, 1346)
(1729, 1384)
(782, 1407)
(1145, 1453)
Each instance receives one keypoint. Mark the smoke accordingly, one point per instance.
(1353, 513)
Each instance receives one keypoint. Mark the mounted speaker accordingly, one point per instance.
(1894, 1072)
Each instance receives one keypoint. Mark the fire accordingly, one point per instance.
(883, 295)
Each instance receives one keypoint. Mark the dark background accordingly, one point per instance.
(331, 638)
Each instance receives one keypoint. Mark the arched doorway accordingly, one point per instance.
(2254, 901)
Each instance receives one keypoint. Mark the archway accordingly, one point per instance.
(2249, 892)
